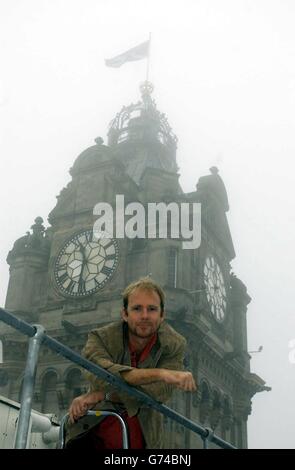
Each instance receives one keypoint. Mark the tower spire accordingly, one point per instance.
(146, 89)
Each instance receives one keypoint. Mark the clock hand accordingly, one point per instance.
(82, 250)
(84, 261)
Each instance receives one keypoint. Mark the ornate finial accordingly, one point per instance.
(98, 140)
(146, 88)
(37, 227)
(142, 119)
(214, 170)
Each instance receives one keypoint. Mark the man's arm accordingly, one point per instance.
(158, 382)
(95, 350)
(179, 379)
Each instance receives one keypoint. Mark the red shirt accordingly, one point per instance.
(108, 434)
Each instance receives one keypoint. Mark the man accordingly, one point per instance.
(144, 351)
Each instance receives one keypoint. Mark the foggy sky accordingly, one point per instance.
(224, 74)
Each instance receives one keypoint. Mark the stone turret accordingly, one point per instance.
(28, 261)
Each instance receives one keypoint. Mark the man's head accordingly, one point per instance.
(147, 284)
(143, 307)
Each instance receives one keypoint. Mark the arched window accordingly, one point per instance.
(233, 433)
(227, 417)
(49, 392)
(74, 385)
(205, 402)
(216, 409)
(227, 413)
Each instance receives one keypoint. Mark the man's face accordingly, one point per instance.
(143, 313)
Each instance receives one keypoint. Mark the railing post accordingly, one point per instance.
(207, 438)
(95, 413)
(122, 422)
(28, 388)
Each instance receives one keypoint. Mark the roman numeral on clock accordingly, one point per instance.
(71, 287)
(62, 267)
(89, 236)
(63, 277)
(106, 270)
(110, 257)
(81, 287)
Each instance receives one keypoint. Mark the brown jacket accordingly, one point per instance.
(108, 347)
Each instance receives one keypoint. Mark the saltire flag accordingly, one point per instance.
(136, 53)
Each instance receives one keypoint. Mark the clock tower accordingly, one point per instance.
(70, 281)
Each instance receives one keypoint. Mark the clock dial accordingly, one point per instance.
(85, 264)
(215, 288)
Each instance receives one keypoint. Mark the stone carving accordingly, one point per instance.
(37, 240)
(213, 184)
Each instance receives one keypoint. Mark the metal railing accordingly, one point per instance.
(38, 336)
(95, 413)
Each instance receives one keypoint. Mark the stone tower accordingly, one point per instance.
(53, 282)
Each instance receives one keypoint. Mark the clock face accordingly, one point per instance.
(215, 289)
(85, 264)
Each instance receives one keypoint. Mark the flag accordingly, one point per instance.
(136, 53)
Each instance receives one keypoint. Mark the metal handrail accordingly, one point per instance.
(37, 331)
(95, 413)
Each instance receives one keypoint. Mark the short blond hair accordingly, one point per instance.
(144, 283)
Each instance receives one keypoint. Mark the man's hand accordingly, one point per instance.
(80, 405)
(180, 379)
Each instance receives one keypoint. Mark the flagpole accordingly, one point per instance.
(148, 58)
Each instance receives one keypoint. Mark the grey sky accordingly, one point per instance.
(224, 73)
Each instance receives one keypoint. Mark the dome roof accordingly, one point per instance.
(92, 156)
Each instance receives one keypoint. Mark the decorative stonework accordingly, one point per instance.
(37, 241)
